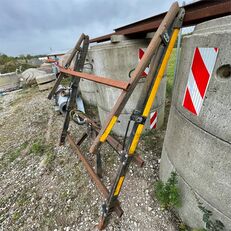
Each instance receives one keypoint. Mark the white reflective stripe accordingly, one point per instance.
(194, 92)
(146, 70)
(153, 123)
(209, 56)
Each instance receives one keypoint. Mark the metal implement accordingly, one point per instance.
(157, 56)
(139, 117)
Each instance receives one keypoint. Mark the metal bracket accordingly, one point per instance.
(165, 38)
(137, 117)
(123, 156)
(179, 19)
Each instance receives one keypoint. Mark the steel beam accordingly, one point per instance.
(197, 12)
(98, 79)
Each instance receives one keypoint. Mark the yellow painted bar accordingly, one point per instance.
(119, 185)
(136, 139)
(160, 73)
(108, 129)
(152, 95)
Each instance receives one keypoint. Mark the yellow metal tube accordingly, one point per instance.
(152, 95)
(108, 129)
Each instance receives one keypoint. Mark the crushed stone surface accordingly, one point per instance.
(45, 187)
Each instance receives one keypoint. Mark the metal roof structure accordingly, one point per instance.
(196, 12)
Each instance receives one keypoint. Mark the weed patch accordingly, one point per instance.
(168, 193)
(37, 148)
(16, 153)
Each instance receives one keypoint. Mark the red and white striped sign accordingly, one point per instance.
(200, 73)
(153, 120)
(140, 55)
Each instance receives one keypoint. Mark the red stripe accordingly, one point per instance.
(188, 104)
(200, 73)
(154, 125)
(141, 53)
(216, 49)
(153, 117)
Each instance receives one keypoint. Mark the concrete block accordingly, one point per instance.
(30, 75)
(118, 38)
(9, 81)
(45, 78)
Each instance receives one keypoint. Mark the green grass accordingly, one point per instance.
(16, 215)
(50, 157)
(37, 148)
(170, 73)
(16, 153)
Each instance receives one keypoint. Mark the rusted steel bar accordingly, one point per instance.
(98, 79)
(75, 50)
(55, 54)
(101, 187)
(51, 60)
(195, 13)
(78, 66)
(209, 10)
(102, 38)
(144, 62)
(81, 139)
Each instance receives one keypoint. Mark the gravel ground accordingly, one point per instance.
(45, 187)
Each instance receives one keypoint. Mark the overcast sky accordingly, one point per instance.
(44, 26)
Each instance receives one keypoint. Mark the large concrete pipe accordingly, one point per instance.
(197, 144)
(117, 60)
(30, 75)
(9, 81)
(87, 87)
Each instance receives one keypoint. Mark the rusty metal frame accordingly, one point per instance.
(156, 52)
